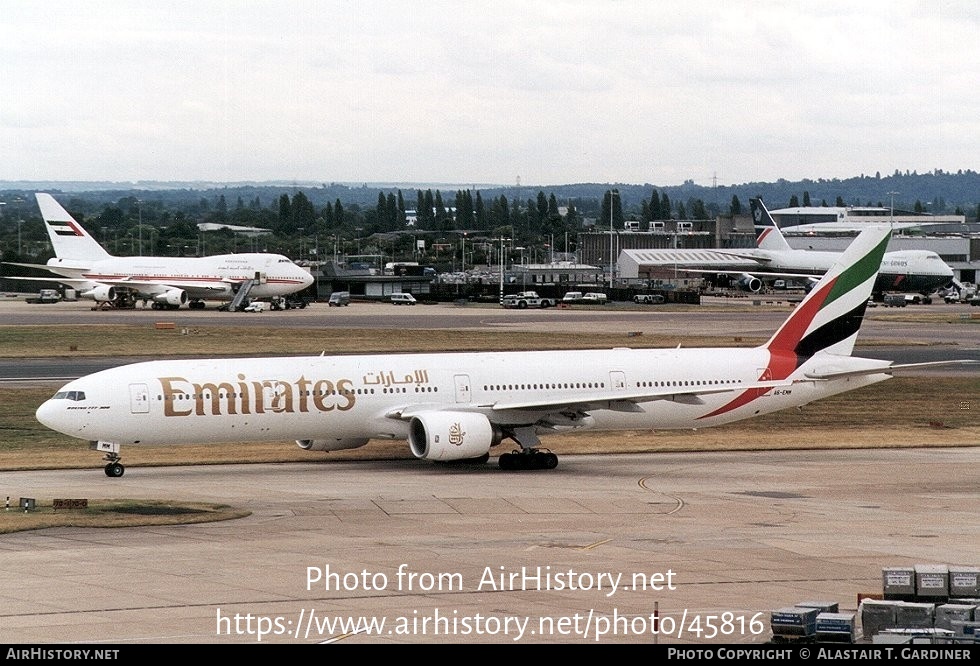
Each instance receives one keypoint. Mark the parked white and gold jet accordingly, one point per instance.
(166, 282)
(458, 406)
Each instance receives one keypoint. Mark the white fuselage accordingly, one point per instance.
(913, 270)
(373, 396)
(210, 277)
(814, 261)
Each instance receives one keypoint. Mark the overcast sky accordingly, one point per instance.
(481, 92)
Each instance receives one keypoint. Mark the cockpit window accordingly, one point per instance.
(70, 395)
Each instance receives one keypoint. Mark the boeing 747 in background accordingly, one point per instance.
(919, 271)
(167, 282)
(458, 406)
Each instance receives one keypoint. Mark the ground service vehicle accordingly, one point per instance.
(338, 299)
(894, 301)
(287, 303)
(403, 299)
(528, 299)
(648, 299)
(45, 296)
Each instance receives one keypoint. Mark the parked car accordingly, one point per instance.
(572, 297)
(594, 297)
(339, 298)
(403, 299)
(648, 299)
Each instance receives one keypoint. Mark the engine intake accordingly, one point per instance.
(101, 294)
(447, 436)
(172, 297)
(748, 282)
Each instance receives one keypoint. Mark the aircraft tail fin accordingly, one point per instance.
(767, 234)
(829, 317)
(69, 239)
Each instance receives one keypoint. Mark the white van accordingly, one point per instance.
(594, 297)
(403, 299)
(572, 297)
(338, 299)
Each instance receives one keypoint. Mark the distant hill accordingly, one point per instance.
(937, 192)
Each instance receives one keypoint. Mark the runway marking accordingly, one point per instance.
(595, 545)
(680, 502)
(336, 639)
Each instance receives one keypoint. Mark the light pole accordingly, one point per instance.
(139, 207)
(502, 239)
(891, 217)
(19, 222)
(612, 193)
(523, 269)
(462, 258)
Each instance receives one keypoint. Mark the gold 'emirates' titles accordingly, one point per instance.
(184, 398)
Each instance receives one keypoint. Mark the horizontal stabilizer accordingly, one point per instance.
(40, 267)
(885, 369)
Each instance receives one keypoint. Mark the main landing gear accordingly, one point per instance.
(528, 459)
(530, 456)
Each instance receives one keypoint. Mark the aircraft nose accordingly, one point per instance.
(51, 414)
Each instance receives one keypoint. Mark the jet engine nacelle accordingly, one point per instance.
(451, 435)
(330, 444)
(172, 297)
(101, 294)
(748, 282)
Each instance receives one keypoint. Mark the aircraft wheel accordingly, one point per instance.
(114, 470)
(549, 460)
(506, 461)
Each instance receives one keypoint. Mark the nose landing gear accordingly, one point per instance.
(113, 468)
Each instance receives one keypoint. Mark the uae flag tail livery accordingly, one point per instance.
(817, 339)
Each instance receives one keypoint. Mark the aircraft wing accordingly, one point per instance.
(761, 271)
(153, 287)
(763, 260)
